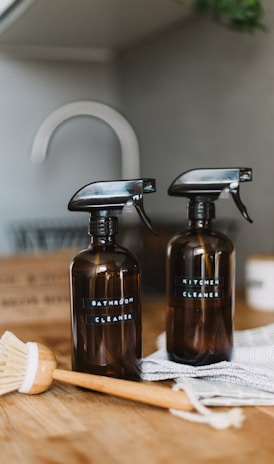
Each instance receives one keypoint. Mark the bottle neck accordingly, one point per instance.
(199, 224)
(103, 242)
(200, 213)
(103, 230)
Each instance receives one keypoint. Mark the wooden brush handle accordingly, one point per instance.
(152, 394)
(136, 391)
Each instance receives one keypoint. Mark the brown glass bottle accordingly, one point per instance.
(200, 292)
(106, 310)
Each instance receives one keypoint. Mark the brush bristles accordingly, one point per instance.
(13, 362)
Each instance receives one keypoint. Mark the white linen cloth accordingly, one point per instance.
(248, 379)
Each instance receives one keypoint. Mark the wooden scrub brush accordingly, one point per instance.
(31, 368)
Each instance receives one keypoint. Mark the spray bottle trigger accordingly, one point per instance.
(138, 203)
(238, 202)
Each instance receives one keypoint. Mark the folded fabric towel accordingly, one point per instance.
(248, 379)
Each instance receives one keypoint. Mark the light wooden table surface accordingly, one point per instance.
(73, 426)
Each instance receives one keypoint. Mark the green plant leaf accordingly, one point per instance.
(243, 15)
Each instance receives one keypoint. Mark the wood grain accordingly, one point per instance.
(71, 425)
(142, 392)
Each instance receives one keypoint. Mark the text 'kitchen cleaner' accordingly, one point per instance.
(200, 270)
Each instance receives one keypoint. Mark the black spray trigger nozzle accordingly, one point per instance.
(238, 202)
(107, 198)
(139, 205)
(206, 185)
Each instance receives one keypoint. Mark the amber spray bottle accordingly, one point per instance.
(200, 270)
(105, 284)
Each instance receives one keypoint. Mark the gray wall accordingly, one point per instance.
(197, 96)
(80, 151)
(203, 96)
